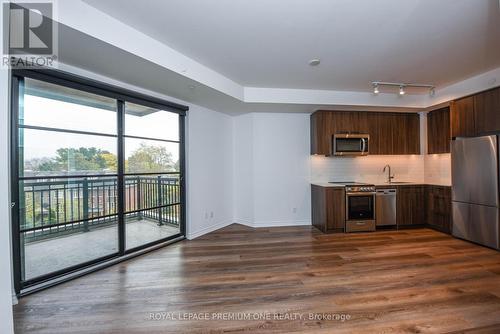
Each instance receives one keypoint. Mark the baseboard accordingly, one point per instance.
(208, 229)
(14, 299)
(243, 222)
(273, 223)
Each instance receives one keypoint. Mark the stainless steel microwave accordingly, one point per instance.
(351, 144)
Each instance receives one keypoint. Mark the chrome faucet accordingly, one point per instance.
(389, 176)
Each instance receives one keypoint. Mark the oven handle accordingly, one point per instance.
(361, 193)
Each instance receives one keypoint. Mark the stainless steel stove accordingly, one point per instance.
(359, 206)
(351, 186)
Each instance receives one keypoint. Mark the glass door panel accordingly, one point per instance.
(152, 175)
(67, 179)
(66, 222)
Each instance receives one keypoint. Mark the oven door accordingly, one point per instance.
(360, 206)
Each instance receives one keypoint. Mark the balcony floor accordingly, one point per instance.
(60, 252)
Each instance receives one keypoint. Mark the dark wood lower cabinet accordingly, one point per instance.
(426, 205)
(438, 208)
(417, 206)
(410, 206)
(328, 208)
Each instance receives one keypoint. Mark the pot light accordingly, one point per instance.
(314, 62)
(401, 90)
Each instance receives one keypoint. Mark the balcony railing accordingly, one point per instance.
(52, 208)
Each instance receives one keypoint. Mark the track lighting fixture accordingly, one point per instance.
(402, 87)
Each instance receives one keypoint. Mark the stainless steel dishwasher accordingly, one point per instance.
(386, 207)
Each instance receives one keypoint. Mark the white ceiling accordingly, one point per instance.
(142, 75)
(268, 43)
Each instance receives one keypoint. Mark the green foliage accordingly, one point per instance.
(149, 158)
(73, 159)
(81, 159)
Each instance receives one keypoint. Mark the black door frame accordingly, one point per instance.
(121, 96)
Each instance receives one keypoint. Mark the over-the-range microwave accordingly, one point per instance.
(350, 144)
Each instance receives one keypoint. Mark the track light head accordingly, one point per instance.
(402, 86)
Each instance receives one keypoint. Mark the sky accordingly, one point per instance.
(45, 112)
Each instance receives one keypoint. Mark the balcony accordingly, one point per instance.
(66, 222)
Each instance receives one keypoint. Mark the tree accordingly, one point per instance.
(149, 158)
(83, 159)
(41, 164)
(110, 161)
(71, 159)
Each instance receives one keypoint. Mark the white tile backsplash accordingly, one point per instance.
(367, 169)
(432, 169)
(438, 169)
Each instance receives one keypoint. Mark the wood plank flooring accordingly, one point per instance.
(411, 281)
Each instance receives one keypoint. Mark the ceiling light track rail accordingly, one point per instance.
(402, 86)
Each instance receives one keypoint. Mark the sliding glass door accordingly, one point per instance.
(94, 176)
(152, 175)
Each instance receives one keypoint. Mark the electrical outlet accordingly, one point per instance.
(294, 210)
(211, 214)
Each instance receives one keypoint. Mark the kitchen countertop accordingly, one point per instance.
(336, 185)
(327, 185)
(410, 184)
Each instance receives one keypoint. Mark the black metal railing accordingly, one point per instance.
(56, 207)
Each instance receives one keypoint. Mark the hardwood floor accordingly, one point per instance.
(411, 281)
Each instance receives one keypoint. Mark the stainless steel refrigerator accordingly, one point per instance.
(474, 173)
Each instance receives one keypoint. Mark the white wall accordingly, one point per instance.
(272, 171)
(243, 170)
(209, 171)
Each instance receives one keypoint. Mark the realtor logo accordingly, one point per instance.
(30, 35)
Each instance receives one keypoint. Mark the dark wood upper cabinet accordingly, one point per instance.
(321, 134)
(438, 131)
(412, 136)
(385, 124)
(390, 133)
(399, 130)
(462, 117)
(487, 111)
(373, 130)
(345, 122)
